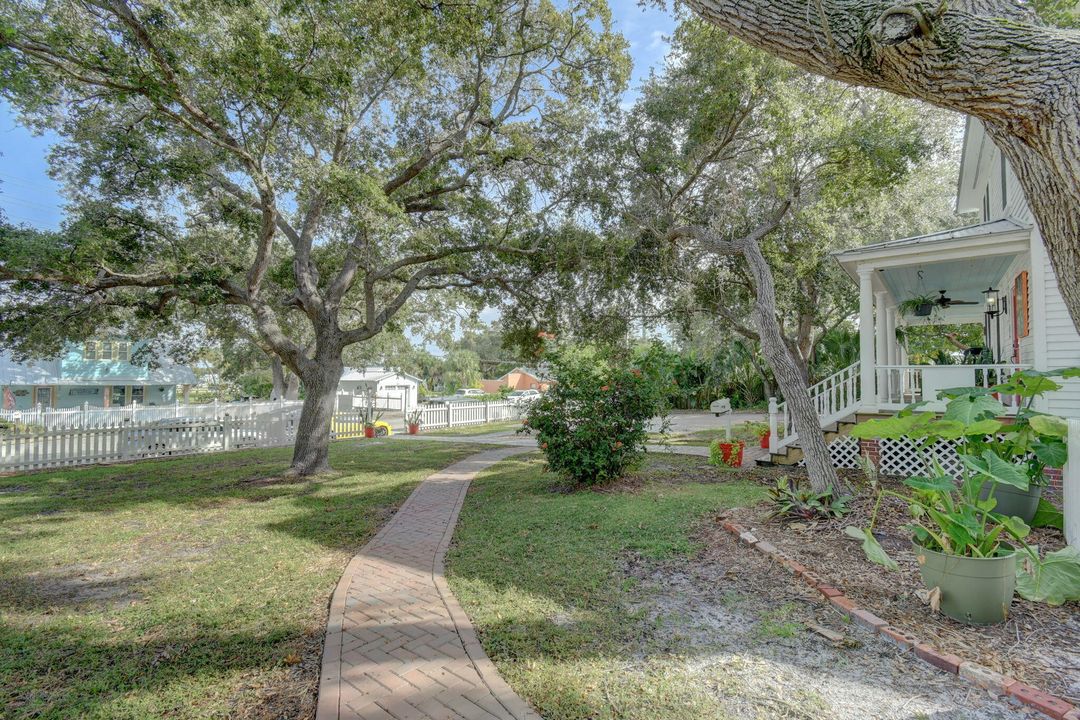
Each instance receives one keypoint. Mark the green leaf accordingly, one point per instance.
(942, 483)
(961, 391)
(989, 426)
(871, 547)
(1047, 515)
(1070, 373)
(967, 409)
(1049, 425)
(996, 469)
(1052, 454)
(893, 428)
(1054, 580)
(1014, 526)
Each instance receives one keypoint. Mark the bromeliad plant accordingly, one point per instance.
(796, 501)
(955, 515)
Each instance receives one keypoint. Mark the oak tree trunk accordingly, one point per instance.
(990, 59)
(292, 386)
(277, 372)
(311, 453)
(788, 373)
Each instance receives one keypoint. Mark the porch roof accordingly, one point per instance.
(1003, 229)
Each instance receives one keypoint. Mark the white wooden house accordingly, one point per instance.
(1000, 265)
(995, 272)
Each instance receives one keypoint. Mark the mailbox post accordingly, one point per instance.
(722, 408)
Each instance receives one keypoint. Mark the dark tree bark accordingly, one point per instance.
(311, 453)
(277, 372)
(990, 59)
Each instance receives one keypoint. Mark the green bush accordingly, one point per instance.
(593, 423)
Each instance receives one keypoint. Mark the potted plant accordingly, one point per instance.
(726, 452)
(968, 549)
(919, 306)
(761, 431)
(370, 417)
(413, 419)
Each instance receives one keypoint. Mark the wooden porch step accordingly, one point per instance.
(793, 454)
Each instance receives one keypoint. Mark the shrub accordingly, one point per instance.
(593, 423)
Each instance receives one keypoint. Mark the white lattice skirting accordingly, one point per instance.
(844, 451)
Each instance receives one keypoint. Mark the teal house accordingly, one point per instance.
(98, 373)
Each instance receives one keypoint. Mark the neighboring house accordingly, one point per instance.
(518, 379)
(999, 265)
(393, 389)
(98, 373)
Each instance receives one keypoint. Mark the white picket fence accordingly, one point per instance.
(89, 416)
(31, 449)
(455, 414)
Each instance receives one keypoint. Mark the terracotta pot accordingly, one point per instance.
(765, 440)
(731, 453)
(414, 428)
(369, 431)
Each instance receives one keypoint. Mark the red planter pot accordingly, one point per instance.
(369, 431)
(765, 440)
(731, 453)
(414, 428)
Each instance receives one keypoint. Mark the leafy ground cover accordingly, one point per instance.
(630, 602)
(468, 430)
(188, 588)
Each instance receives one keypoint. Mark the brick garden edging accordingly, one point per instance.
(974, 673)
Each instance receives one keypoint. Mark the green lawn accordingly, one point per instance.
(190, 588)
(539, 573)
(704, 438)
(466, 430)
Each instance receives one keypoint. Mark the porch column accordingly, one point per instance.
(881, 336)
(891, 352)
(866, 335)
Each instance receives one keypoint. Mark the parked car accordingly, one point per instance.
(468, 393)
(523, 397)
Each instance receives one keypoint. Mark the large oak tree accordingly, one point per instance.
(296, 159)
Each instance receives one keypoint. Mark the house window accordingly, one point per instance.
(43, 396)
(107, 348)
(90, 350)
(137, 394)
(1021, 309)
(118, 395)
(123, 351)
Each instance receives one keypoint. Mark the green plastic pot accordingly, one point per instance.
(975, 591)
(1013, 501)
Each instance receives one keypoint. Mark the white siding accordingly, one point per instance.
(1062, 344)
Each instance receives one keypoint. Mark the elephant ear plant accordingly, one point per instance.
(956, 515)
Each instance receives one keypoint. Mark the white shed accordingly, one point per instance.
(394, 390)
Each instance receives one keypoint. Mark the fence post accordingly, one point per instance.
(773, 411)
(215, 409)
(486, 405)
(226, 432)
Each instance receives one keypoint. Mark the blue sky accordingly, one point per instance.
(29, 196)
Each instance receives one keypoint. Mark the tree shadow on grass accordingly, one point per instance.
(68, 672)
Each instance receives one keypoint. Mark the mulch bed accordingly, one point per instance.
(1038, 644)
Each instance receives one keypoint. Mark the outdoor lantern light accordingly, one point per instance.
(996, 306)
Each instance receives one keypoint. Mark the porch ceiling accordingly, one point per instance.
(960, 279)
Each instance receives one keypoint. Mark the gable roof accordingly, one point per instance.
(374, 374)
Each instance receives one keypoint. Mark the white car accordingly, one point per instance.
(468, 393)
(523, 396)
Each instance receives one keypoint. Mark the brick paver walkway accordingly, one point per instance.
(398, 645)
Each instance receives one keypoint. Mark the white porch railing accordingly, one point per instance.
(454, 414)
(901, 385)
(834, 398)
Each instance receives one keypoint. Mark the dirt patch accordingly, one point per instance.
(73, 585)
(1038, 644)
(741, 627)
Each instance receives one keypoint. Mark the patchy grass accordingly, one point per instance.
(188, 588)
(540, 574)
(466, 430)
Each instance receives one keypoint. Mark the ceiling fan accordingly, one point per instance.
(945, 301)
